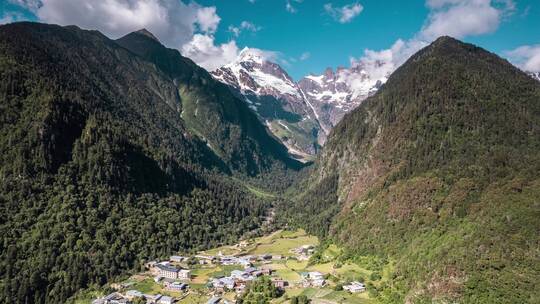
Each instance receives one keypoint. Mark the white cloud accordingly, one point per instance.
(10, 17)
(187, 27)
(526, 57)
(244, 25)
(457, 18)
(32, 5)
(172, 21)
(205, 53)
(305, 56)
(207, 19)
(289, 7)
(344, 14)
(461, 18)
(6, 19)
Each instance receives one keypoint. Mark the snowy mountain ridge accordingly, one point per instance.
(300, 114)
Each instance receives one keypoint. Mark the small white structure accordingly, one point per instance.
(131, 294)
(166, 300)
(355, 287)
(184, 274)
(177, 258)
(315, 275)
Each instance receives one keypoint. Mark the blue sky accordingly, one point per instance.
(306, 36)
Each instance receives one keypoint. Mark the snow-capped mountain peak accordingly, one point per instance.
(300, 113)
(338, 92)
(253, 72)
(249, 55)
(535, 75)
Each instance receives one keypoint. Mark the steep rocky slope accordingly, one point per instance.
(276, 98)
(333, 94)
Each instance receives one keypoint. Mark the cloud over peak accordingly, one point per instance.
(461, 18)
(527, 57)
(172, 21)
(345, 13)
(456, 18)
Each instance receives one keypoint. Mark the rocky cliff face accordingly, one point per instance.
(277, 100)
(333, 94)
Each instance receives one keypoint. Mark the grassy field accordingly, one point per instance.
(282, 243)
(193, 298)
(150, 287)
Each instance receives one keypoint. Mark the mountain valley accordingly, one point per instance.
(123, 164)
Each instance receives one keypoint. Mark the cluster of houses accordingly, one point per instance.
(238, 279)
(174, 277)
(130, 295)
(245, 261)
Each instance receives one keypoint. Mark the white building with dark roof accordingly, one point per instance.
(167, 271)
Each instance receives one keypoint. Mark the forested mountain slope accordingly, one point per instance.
(211, 111)
(110, 156)
(439, 173)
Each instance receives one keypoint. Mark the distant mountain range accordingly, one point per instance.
(301, 114)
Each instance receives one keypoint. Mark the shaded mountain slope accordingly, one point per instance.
(212, 112)
(99, 172)
(439, 173)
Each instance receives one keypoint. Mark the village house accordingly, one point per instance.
(315, 275)
(173, 285)
(165, 300)
(214, 300)
(355, 287)
(132, 294)
(177, 258)
(152, 299)
(265, 257)
(238, 274)
(318, 283)
(205, 259)
(228, 260)
(223, 283)
(239, 287)
(113, 298)
(266, 271)
(184, 274)
(280, 283)
(313, 278)
(167, 271)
